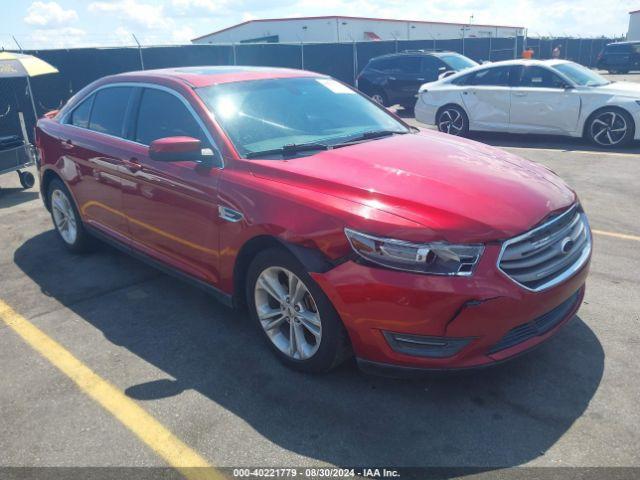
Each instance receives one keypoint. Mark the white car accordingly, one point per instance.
(533, 96)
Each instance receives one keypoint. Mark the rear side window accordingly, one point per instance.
(381, 64)
(540, 77)
(498, 76)
(618, 48)
(464, 79)
(409, 65)
(161, 115)
(109, 110)
(80, 115)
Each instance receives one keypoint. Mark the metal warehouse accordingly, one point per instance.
(350, 29)
(634, 25)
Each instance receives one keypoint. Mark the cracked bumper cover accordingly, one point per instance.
(483, 307)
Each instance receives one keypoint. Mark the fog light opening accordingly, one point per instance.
(423, 346)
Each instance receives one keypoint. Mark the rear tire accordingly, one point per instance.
(66, 219)
(610, 128)
(284, 303)
(453, 120)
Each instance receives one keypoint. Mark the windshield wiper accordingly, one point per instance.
(376, 134)
(288, 150)
(370, 135)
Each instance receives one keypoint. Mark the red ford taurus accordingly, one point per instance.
(342, 229)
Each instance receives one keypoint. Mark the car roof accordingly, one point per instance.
(204, 76)
(507, 63)
(518, 61)
(630, 42)
(435, 53)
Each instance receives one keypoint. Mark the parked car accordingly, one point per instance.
(533, 96)
(395, 78)
(621, 57)
(341, 228)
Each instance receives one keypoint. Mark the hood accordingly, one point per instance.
(459, 190)
(620, 88)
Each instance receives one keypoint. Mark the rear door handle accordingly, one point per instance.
(392, 78)
(67, 144)
(519, 94)
(133, 165)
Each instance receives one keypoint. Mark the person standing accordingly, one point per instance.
(528, 53)
(556, 52)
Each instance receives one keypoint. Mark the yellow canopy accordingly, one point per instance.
(20, 65)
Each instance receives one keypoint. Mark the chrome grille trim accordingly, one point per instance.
(534, 260)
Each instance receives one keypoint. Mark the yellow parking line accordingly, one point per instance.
(623, 236)
(156, 436)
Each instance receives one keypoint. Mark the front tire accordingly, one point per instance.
(293, 313)
(610, 128)
(66, 219)
(453, 120)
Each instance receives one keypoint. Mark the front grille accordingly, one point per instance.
(536, 327)
(548, 254)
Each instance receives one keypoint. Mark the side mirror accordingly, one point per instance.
(176, 149)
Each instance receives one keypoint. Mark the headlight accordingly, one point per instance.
(431, 258)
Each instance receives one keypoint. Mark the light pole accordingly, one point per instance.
(463, 30)
(304, 29)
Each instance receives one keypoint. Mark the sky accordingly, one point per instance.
(82, 23)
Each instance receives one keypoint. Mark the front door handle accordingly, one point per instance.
(67, 144)
(133, 165)
(392, 78)
(519, 94)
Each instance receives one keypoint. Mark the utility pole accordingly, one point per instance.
(33, 103)
(139, 50)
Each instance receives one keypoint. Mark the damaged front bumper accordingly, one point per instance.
(416, 322)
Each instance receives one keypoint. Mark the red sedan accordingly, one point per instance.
(339, 227)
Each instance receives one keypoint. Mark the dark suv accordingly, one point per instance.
(620, 57)
(395, 78)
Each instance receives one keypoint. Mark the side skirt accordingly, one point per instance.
(221, 296)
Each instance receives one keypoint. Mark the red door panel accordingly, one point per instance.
(91, 164)
(172, 213)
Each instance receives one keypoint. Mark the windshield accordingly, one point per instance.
(581, 75)
(267, 115)
(458, 62)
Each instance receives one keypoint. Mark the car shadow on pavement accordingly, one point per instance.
(497, 417)
(550, 142)
(10, 197)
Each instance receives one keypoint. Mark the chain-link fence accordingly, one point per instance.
(79, 67)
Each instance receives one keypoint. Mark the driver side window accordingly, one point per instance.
(161, 115)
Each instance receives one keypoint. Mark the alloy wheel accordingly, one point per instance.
(64, 216)
(451, 121)
(609, 128)
(288, 313)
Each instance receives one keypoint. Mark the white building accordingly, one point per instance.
(634, 25)
(349, 29)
